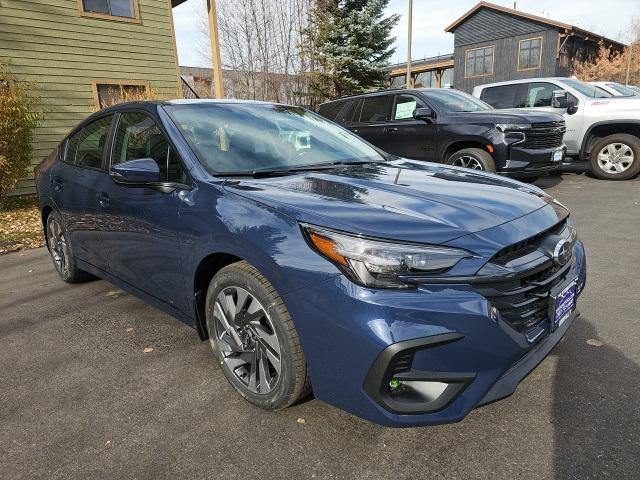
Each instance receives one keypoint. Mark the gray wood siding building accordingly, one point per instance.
(494, 43)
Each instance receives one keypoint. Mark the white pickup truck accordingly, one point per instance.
(602, 129)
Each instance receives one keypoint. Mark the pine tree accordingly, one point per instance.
(353, 44)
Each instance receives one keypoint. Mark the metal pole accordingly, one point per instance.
(215, 49)
(629, 63)
(409, 79)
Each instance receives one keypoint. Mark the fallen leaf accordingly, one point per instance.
(108, 443)
(594, 343)
(30, 271)
(130, 329)
(301, 421)
(148, 350)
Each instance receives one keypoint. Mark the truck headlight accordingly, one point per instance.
(378, 263)
(513, 127)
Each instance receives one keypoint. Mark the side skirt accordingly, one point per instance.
(145, 297)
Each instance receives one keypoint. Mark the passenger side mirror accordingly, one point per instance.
(571, 108)
(141, 171)
(423, 113)
(560, 99)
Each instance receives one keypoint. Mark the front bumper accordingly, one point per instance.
(354, 338)
(524, 162)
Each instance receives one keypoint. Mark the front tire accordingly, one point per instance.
(615, 157)
(64, 259)
(472, 158)
(254, 339)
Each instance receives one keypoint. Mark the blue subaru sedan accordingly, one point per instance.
(407, 293)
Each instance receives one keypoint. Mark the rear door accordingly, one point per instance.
(74, 180)
(369, 120)
(408, 137)
(140, 224)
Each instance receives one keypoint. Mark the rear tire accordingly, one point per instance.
(615, 157)
(254, 340)
(472, 158)
(64, 259)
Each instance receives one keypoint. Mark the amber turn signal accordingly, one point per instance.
(327, 247)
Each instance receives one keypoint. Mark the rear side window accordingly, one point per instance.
(330, 110)
(374, 109)
(139, 136)
(86, 147)
(503, 96)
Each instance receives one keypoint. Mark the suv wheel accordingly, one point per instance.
(254, 339)
(616, 157)
(473, 158)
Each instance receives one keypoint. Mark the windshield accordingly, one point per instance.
(452, 101)
(589, 91)
(622, 90)
(238, 138)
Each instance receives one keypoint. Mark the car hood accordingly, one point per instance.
(628, 105)
(403, 200)
(512, 115)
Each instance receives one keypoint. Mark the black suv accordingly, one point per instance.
(452, 127)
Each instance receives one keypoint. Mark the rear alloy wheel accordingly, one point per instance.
(254, 339)
(64, 260)
(616, 157)
(472, 158)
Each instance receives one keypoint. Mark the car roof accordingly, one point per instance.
(523, 80)
(383, 92)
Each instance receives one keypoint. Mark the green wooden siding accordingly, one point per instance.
(48, 43)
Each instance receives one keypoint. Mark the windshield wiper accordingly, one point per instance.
(275, 172)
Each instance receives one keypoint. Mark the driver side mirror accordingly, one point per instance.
(423, 113)
(140, 171)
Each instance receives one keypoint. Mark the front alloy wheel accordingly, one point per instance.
(254, 339)
(467, 161)
(246, 339)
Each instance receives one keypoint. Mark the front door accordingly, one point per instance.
(73, 185)
(410, 138)
(140, 224)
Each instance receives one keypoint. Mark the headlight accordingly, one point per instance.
(573, 233)
(513, 127)
(377, 263)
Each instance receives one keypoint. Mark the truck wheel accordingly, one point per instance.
(616, 157)
(473, 158)
(254, 340)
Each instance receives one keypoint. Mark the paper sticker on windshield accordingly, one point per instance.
(405, 110)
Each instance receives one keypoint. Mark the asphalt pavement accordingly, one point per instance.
(82, 396)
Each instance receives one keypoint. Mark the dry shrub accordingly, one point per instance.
(129, 93)
(18, 120)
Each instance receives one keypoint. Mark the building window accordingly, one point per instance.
(119, 10)
(479, 61)
(109, 93)
(530, 54)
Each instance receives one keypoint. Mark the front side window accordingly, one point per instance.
(585, 89)
(454, 101)
(86, 147)
(404, 106)
(530, 54)
(374, 109)
(539, 94)
(108, 94)
(121, 9)
(230, 138)
(479, 61)
(139, 136)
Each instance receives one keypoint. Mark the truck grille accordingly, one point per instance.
(544, 135)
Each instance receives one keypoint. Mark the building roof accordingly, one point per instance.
(535, 18)
(175, 3)
(422, 65)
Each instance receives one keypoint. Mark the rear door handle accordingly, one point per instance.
(57, 184)
(103, 199)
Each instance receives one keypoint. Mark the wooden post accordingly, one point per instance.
(629, 63)
(409, 79)
(215, 49)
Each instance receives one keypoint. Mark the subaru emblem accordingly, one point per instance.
(562, 252)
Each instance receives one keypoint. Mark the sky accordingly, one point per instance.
(610, 18)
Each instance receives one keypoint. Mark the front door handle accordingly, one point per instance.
(391, 129)
(103, 199)
(57, 184)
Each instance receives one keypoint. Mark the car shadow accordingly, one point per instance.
(596, 410)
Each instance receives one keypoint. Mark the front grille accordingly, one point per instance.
(524, 302)
(520, 248)
(544, 135)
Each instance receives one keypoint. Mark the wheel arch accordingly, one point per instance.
(605, 128)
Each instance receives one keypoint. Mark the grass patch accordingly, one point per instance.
(20, 224)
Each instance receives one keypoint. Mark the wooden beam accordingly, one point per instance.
(421, 68)
(215, 49)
